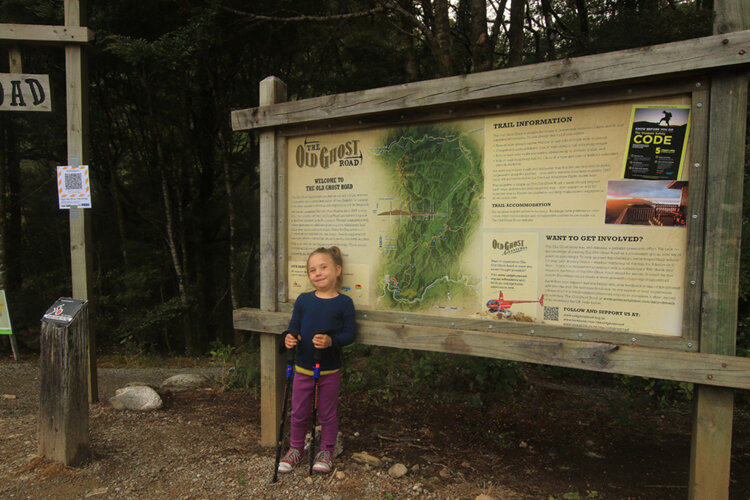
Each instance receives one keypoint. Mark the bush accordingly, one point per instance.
(380, 369)
(241, 370)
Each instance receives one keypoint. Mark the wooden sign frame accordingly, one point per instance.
(713, 70)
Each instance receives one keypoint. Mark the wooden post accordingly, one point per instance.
(76, 79)
(713, 408)
(272, 90)
(711, 446)
(16, 66)
(63, 405)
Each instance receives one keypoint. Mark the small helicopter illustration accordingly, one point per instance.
(502, 305)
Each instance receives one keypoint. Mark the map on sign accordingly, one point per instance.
(437, 184)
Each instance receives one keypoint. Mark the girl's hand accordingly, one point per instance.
(290, 341)
(322, 341)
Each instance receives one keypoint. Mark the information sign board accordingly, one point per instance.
(525, 216)
(5, 327)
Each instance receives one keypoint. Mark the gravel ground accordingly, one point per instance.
(202, 444)
(552, 438)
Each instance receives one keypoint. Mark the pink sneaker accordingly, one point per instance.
(290, 460)
(323, 462)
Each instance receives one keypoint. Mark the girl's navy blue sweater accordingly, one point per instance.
(334, 315)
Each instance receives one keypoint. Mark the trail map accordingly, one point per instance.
(437, 177)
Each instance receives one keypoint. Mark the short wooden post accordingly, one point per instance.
(63, 397)
(272, 90)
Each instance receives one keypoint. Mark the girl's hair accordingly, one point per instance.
(335, 254)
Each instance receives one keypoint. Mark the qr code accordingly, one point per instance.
(551, 313)
(73, 181)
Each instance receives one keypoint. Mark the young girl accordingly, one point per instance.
(324, 309)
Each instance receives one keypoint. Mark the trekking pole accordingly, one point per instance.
(316, 382)
(289, 377)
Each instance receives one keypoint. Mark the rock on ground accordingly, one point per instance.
(139, 397)
(184, 382)
(397, 470)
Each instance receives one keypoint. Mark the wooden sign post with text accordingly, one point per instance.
(31, 93)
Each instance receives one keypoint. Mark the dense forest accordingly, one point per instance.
(175, 190)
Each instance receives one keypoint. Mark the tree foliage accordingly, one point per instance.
(176, 191)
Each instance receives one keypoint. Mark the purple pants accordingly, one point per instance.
(302, 400)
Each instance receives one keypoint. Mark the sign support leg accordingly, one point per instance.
(272, 90)
(711, 446)
(76, 79)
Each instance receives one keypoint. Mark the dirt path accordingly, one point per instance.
(549, 440)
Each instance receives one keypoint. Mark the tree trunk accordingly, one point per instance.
(407, 44)
(515, 33)
(497, 27)
(234, 281)
(549, 35)
(114, 192)
(583, 22)
(442, 29)
(481, 49)
(177, 263)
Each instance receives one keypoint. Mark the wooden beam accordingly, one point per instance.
(711, 443)
(731, 15)
(723, 212)
(713, 408)
(696, 169)
(708, 369)
(244, 320)
(41, 34)
(677, 58)
(16, 66)
(272, 90)
(76, 85)
(75, 12)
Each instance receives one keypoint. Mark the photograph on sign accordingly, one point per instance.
(73, 189)
(522, 216)
(5, 327)
(639, 202)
